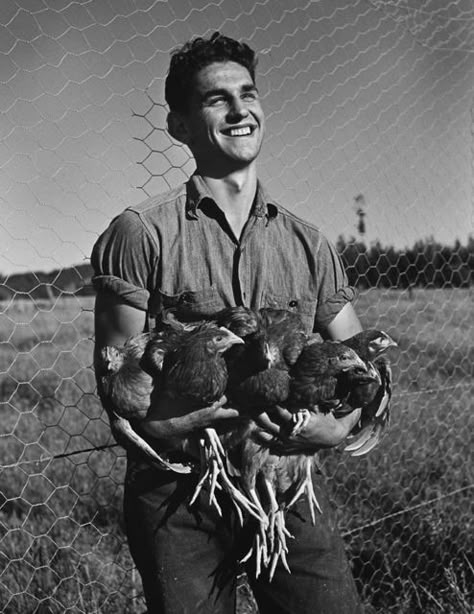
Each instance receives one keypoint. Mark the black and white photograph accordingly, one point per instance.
(236, 326)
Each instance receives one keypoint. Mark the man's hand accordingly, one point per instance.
(321, 431)
(160, 425)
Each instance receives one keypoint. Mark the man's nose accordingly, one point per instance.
(237, 110)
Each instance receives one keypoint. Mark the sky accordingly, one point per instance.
(362, 97)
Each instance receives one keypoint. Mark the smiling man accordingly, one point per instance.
(221, 240)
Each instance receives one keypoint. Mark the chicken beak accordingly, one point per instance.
(230, 339)
(381, 344)
(388, 342)
(358, 363)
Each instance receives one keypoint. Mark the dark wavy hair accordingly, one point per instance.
(197, 54)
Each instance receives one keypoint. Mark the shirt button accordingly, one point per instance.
(293, 303)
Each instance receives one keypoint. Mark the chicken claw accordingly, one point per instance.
(306, 486)
(260, 548)
(282, 549)
(214, 474)
(277, 533)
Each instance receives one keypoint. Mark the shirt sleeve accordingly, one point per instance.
(334, 290)
(124, 260)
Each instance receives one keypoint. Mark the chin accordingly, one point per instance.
(248, 155)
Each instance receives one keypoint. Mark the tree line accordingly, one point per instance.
(38, 285)
(426, 264)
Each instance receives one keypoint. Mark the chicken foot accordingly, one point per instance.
(269, 544)
(214, 474)
(260, 548)
(277, 533)
(306, 487)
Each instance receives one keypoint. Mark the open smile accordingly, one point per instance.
(239, 131)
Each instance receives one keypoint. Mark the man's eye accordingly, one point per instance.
(250, 96)
(218, 100)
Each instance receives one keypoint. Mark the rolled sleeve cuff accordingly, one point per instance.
(132, 295)
(333, 305)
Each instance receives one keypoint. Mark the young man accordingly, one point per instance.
(221, 240)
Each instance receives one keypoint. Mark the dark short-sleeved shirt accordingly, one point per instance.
(177, 251)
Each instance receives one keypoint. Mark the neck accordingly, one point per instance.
(234, 193)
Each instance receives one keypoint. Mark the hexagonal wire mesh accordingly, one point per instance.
(368, 110)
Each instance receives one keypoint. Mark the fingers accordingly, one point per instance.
(281, 415)
(220, 411)
(217, 411)
(264, 422)
(325, 431)
(223, 413)
(264, 438)
(276, 423)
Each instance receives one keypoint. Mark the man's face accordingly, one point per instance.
(225, 121)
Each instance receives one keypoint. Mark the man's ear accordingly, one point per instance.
(177, 127)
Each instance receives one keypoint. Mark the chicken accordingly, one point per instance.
(125, 388)
(324, 376)
(123, 381)
(194, 369)
(371, 346)
(243, 361)
(322, 380)
(259, 375)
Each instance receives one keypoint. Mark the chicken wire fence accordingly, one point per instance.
(369, 136)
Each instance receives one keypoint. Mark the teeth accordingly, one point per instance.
(240, 131)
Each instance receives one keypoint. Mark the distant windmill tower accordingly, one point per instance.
(359, 202)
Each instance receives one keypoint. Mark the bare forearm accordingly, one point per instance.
(176, 427)
(344, 325)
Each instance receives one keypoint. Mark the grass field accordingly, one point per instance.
(405, 510)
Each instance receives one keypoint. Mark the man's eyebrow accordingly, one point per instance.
(247, 87)
(214, 92)
(250, 87)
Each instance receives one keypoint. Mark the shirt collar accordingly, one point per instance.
(197, 191)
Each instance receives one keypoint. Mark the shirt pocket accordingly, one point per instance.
(305, 307)
(191, 305)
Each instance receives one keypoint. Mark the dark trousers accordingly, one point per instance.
(187, 556)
